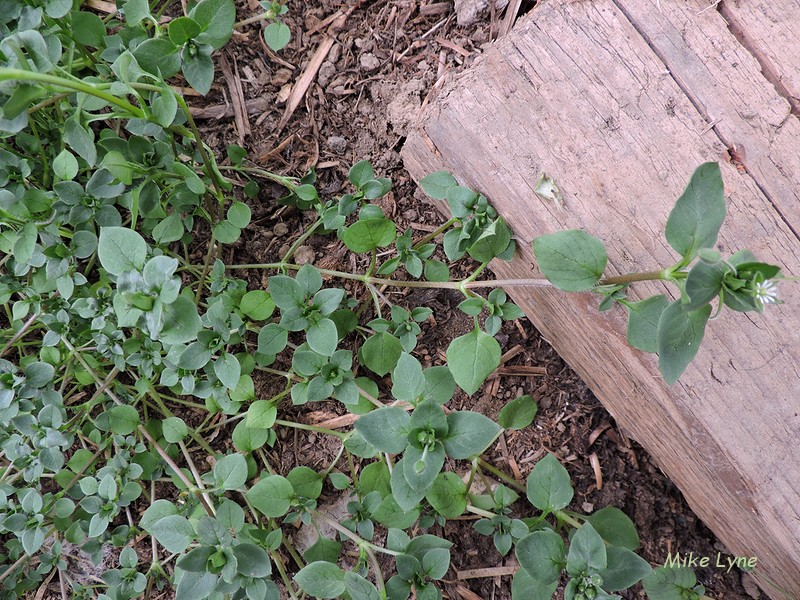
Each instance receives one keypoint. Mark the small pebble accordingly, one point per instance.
(283, 250)
(304, 255)
(280, 229)
(326, 73)
(337, 144)
(369, 61)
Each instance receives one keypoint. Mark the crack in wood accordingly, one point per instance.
(698, 104)
(768, 70)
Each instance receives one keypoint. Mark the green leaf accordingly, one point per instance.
(436, 270)
(182, 29)
(698, 214)
(406, 497)
(468, 434)
(198, 70)
(541, 554)
(549, 487)
(421, 468)
(518, 414)
(615, 527)
(136, 11)
(439, 385)
(381, 352)
(272, 495)
(359, 588)
(525, 587)
(360, 173)
(272, 339)
(88, 29)
(448, 495)
(174, 429)
(81, 140)
(669, 583)
(252, 561)
(305, 481)
(323, 549)
(195, 585)
(408, 381)
(277, 35)
(437, 184)
(158, 56)
(261, 414)
(123, 419)
(436, 562)
(471, 358)
(703, 284)
(247, 439)
(368, 234)
(230, 472)
(643, 319)
(65, 165)
(216, 18)
(239, 214)
(121, 249)
(228, 370)
(323, 337)
(258, 305)
(181, 322)
(25, 244)
(679, 336)
(226, 232)
(286, 292)
(587, 552)
(389, 514)
(572, 260)
(174, 532)
(492, 242)
(57, 8)
(321, 579)
(625, 568)
(168, 230)
(385, 428)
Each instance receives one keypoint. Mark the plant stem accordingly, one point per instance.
(567, 519)
(452, 285)
(632, 277)
(78, 86)
(22, 331)
(306, 427)
(479, 511)
(353, 536)
(299, 241)
(497, 472)
(433, 234)
(287, 182)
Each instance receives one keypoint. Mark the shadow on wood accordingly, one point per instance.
(619, 101)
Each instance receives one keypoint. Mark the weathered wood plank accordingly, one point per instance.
(768, 29)
(577, 91)
(724, 81)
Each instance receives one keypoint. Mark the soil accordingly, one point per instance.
(386, 57)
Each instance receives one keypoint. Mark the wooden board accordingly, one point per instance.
(619, 101)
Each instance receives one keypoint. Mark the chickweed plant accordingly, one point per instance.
(121, 357)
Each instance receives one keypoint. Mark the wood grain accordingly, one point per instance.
(620, 112)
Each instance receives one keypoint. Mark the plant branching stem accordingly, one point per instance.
(142, 430)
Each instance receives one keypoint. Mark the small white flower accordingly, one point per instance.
(766, 292)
